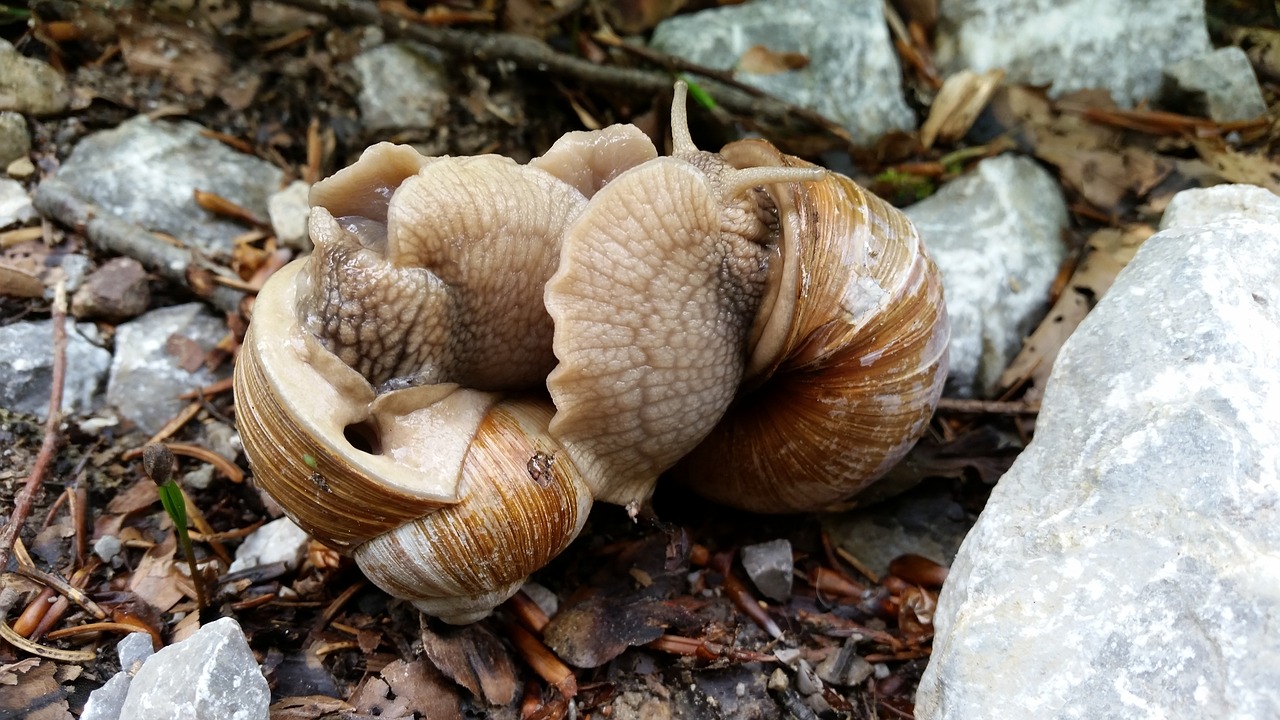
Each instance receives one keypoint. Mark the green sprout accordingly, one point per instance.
(700, 96)
(158, 462)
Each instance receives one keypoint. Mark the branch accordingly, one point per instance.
(532, 54)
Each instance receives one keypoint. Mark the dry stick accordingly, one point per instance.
(52, 438)
(531, 54)
(58, 200)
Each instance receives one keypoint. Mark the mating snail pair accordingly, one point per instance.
(477, 350)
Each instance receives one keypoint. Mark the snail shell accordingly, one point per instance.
(478, 349)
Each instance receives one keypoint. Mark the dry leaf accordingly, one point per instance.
(17, 282)
(958, 104)
(472, 657)
(1241, 167)
(761, 60)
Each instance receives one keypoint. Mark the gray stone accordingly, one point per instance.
(770, 567)
(134, 650)
(26, 367)
(118, 290)
(277, 541)
(106, 702)
(1072, 44)
(846, 667)
(107, 547)
(153, 353)
(30, 86)
(15, 139)
(996, 236)
(1220, 203)
(1218, 85)
(853, 76)
(1125, 566)
(211, 675)
(926, 521)
(223, 439)
(15, 204)
(71, 269)
(402, 85)
(289, 210)
(146, 172)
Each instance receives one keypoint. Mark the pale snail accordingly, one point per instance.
(477, 349)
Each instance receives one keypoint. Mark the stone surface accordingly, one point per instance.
(158, 357)
(118, 290)
(402, 85)
(1126, 564)
(770, 567)
(289, 209)
(106, 702)
(277, 541)
(853, 76)
(1218, 85)
(30, 86)
(1221, 202)
(996, 236)
(15, 139)
(26, 367)
(107, 548)
(133, 650)
(925, 521)
(1072, 44)
(146, 172)
(211, 675)
(15, 204)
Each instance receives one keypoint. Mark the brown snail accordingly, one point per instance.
(477, 350)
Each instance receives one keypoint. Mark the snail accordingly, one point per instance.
(477, 350)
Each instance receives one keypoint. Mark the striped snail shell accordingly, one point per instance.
(477, 350)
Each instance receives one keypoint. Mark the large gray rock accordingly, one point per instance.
(15, 204)
(146, 172)
(1220, 203)
(1125, 567)
(996, 236)
(402, 85)
(15, 139)
(211, 675)
(26, 367)
(1218, 85)
(853, 75)
(30, 86)
(158, 357)
(1072, 44)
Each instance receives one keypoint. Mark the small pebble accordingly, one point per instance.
(107, 547)
(21, 169)
(770, 567)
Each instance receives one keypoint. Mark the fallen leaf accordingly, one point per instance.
(962, 98)
(474, 658)
(761, 60)
(1241, 167)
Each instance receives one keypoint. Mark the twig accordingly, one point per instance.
(988, 407)
(52, 437)
(532, 54)
(58, 200)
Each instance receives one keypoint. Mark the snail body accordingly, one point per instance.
(477, 350)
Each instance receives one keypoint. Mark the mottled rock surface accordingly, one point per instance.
(1218, 85)
(996, 236)
(30, 86)
(853, 76)
(26, 367)
(15, 204)
(277, 541)
(15, 138)
(146, 172)
(402, 85)
(1126, 564)
(1072, 44)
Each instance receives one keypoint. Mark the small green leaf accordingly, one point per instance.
(700, 96)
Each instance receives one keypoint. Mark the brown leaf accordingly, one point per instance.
(472, 657)
(600, 628)
(1241, 167)
(761, 60)
(156, 577)
(308, 707)
(34, 693)
(424, 689)
(187, 352)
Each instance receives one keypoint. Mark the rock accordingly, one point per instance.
(277, 541)
(852, 77)
(1218, 85)
(146, 172)
(15, 204)
(20, 169)
(222, 439)
(770, 567)
(211, 675)
(107, 702)
(159, 356)
(30, 86)
(996, 236)
(107, 547)
(1125, 566)
(1072, 44)
(116, 291)
(846, 667)
(402, 85)
(15, 139)
(134, 650)
(26, 367)
(289, 209)
(1221, 203)
(926, 521)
